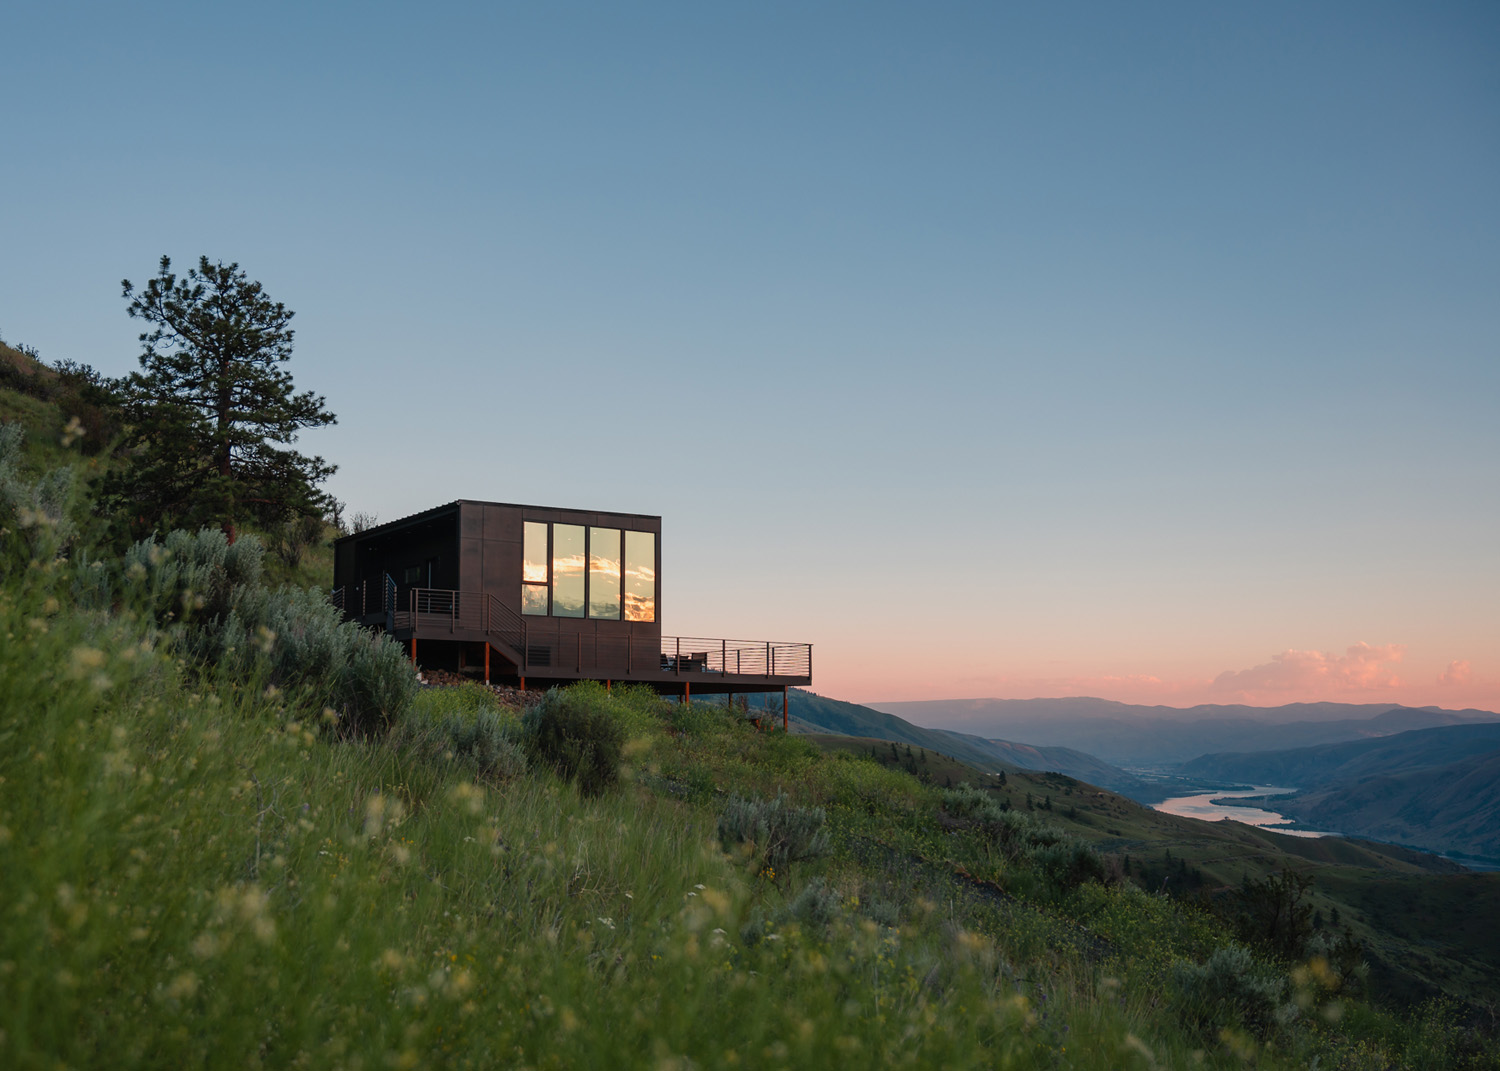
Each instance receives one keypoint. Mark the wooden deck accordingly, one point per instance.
(676, 665)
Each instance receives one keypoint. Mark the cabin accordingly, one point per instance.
(534, 596)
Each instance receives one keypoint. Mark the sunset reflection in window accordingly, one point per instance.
(604, 573)
(567, 570)
(534, 569)
(534, 553)
(640, 576)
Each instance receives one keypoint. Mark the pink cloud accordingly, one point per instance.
(1362, 668)
(1459, 672)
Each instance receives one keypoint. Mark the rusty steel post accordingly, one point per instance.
(486, 663)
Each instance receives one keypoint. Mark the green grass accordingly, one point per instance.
(195, 872)
(1429, 931)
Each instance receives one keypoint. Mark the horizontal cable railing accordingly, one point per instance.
(468, 611)
(761, 658)
(437, 610)
(372, 596)
(505, 623)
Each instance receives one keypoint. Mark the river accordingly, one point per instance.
(1202, 807)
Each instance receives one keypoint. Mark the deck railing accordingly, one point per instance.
(372, 595)
(436, 610)
(760, 658)
(470, 611)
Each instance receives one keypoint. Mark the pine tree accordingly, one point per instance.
(210, 405)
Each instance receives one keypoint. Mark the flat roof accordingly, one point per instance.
(435, 511)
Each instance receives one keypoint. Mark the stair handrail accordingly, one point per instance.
(389, 592)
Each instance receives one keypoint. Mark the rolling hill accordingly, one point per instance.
(1306, 767)
(1453, 808)
(812, 713)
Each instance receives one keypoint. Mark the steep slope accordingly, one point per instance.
(1427, 924)
(812, 713)
(1453, 808)
(1074, 763)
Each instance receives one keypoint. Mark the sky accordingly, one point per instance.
(1149, 352)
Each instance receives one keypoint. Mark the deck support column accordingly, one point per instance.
(486, 663)
(784, 724)
(414, 651)
(687, 691)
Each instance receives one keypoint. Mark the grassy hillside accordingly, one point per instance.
(812, 713)
(1397, 901)
(1454, 808)
(199, 867)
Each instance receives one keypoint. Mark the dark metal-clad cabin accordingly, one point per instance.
(535, 596)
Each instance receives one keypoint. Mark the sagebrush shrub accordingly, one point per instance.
(1065, 862)
(1069, 863)
(486, 742)
(1230, 990)
(815, 906)
(37, 514)
(574, 733)
(211, 594)
(969, 802)
(775, 833)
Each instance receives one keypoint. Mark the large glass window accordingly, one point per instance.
(612, 574)
(534, 568)
(640, 576)
(567, 570)
(604, 573)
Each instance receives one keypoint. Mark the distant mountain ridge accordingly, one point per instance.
(1436, 789)
(1125, 734)
(1452, 808)
(1309, 767)
(812, 713)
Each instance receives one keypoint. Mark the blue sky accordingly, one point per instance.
(1143, 351)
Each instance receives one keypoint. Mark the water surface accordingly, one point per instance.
(1202, 807)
